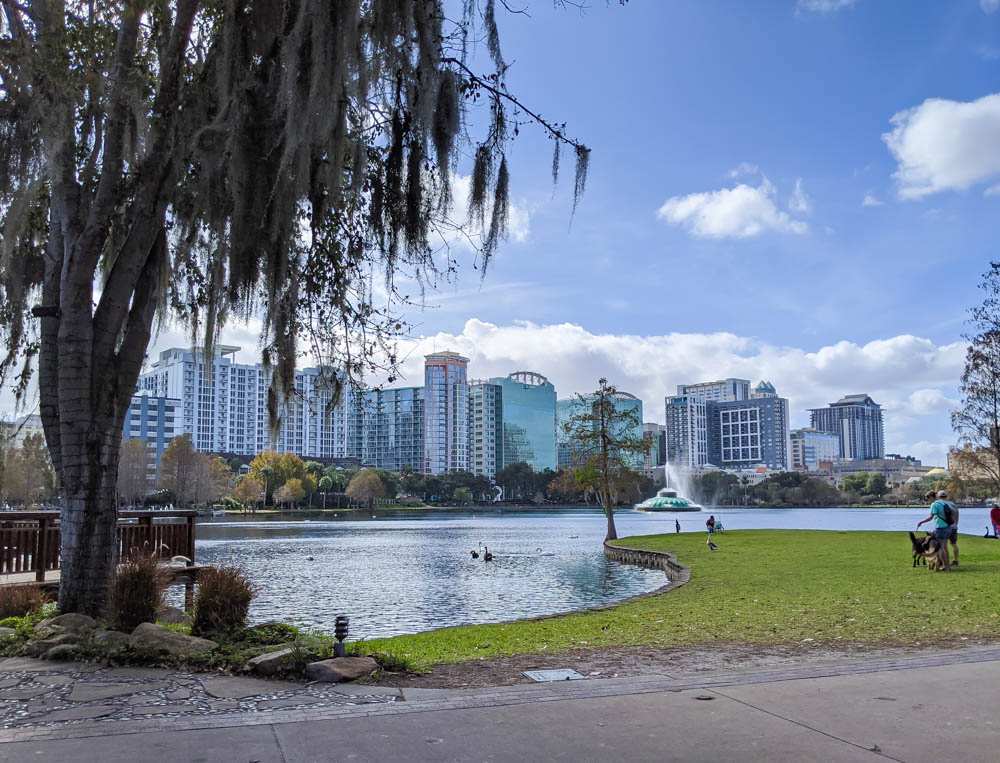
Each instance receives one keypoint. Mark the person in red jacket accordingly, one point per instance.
(995, 519)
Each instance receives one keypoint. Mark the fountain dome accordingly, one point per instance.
(667, 499)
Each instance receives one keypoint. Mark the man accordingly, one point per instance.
(944, 530)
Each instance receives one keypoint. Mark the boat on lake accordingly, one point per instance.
(667, 499)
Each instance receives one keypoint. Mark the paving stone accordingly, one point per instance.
(159, 709)
(56, 680)
(25, 693)
(224, 705)
(21, 664)
(156, 673)
(237, 688)
(273, 704)
(179, 694)
(6, 683)
(87, 692)
(76, 713)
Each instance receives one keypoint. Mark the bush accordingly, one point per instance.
(223, 600)
(19, 600)
(135, 594)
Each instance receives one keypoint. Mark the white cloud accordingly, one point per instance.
(800, 201)
(831, 6)
(988, 52)
(945, 145)
(518, 223)
(993, 190)
(927, 401)
(742, 169)
(871, 201)
(739, 212)
(989, 6)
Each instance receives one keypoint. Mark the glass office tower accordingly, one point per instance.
(446, 413)
(529, 420)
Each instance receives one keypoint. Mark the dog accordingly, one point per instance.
(929, 550)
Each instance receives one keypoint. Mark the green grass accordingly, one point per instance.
(761, 587)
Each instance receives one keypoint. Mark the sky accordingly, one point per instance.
(803, 191)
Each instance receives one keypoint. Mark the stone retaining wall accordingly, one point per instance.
(677, 573)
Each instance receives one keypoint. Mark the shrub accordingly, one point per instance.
(19, 600)
(135, 593)
(223, 600)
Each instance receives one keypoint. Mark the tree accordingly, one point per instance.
(604, 434)
(325, 486)
(462, 495)
(28, 473)
(133, 471)
(248, 491)
(283, 495)
(203, 160)
(876, 484)
(565, 487)
(296, 490)
(180, 465)
(366, 487)
(855, 483)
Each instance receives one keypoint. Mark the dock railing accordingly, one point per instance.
(30, 540)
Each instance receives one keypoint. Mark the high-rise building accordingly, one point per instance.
(745, 433)
(385, 428)
(655, 436)
(224, 405)
(446, 413)
(485, 428)
(857, 422)
(686, 431)
(529, 420)
(810, 447)
(764, 389)
(25, 426)
(155, 421)
(722, 391)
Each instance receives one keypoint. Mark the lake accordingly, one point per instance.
(412, 571)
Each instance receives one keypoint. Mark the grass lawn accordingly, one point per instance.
(766, 587)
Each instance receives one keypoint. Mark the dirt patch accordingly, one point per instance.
(675, 662)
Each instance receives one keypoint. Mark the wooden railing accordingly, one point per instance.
(30, 540)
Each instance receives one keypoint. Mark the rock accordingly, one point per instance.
(163, 639)
(173, 616)
(341, 669)
(43, 630)
(38, 647)
(111, 638)
(6, 633)
(271, 663)
(63, 652)
(71, 621)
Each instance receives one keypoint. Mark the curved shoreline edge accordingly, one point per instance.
(677, 574)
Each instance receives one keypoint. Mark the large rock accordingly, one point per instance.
(161, 638)
(70, 621)
(111, 638)
(38, 647)
(341, 669)
(63, 652)
(271, 663)
(173, 616)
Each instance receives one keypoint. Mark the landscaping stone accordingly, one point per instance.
(341, 669)
(111, 638)
(90, 692)
(7, 633)
(271, 663)
(162, 638)
(173, 616)
(62, 652)
(77, 713)
(71, 621)
(40, 647)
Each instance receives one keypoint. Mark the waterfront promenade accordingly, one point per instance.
(925, 706)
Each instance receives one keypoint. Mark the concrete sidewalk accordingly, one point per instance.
(930, 707)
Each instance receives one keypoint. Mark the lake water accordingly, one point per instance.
(411, 572)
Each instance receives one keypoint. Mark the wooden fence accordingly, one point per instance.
(30, 540)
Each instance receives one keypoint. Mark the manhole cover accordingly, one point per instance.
(552, 675)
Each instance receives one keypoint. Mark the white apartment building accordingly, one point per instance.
(485, 427)
(687, 431)
(722, 391)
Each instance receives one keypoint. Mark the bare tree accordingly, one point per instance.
(220, 160)
(133, 471)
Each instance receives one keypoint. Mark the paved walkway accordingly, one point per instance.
(928, 707)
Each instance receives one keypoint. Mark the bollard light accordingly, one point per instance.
(340, 625)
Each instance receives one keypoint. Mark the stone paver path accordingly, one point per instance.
(39, 695)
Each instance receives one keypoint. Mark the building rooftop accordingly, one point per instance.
(454, 357)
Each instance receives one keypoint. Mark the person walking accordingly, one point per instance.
(942, 515)
(995, 519)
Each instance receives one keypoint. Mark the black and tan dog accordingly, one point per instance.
(930, 551)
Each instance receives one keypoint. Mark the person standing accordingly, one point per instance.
(677, 523)
(942, 515)
(995, 519)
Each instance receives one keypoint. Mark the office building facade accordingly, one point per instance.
(811, 447)
(485, 428)
(686, 431)
(446, 413)
(385, 428)
(745, 433)
(529, 420)
(857, 421)
(721, 391)
(155, 421)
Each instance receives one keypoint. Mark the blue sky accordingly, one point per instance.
(798, 190)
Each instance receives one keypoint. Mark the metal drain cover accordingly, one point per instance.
(552, 675)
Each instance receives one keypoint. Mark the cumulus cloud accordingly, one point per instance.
(912, 377)
(800, 201)
(743, 169)
(831, 6)
(739, 212)
(989, 6)
(944, 145)
(871, 201)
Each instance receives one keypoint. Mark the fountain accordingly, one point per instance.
(666, 499)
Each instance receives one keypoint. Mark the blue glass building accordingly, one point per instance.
(529, 420)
